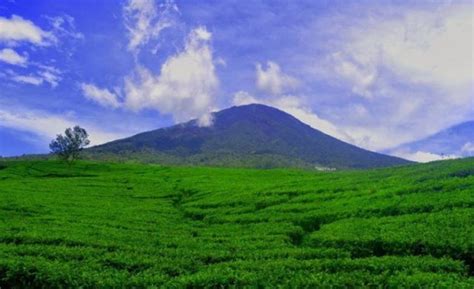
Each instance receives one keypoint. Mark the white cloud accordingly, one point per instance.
(202, 33)
(17, 29)
(468, 148)
(293, 106)
(145, 20)
(432, 47)
(46, 126)
(373, 136)
(361, 77)
(273, 80)
(411, 68)
(243, 98)
(422, 157)
(29, 79)
(187, 81)
(64, 26)
(437, 47)
(51, 76)
(205, 120)
(10, 56)
(185, 86)
(102, 96)
(45, 74)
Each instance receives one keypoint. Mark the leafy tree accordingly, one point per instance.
(68, 146)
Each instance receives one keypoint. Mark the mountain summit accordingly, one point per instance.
(252, 135)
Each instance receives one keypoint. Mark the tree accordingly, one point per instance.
(68, 146)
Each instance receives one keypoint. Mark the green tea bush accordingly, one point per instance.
(109, 225)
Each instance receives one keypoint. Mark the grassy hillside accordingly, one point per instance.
(103, 225)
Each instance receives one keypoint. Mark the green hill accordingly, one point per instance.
(104, 225)
(244, 136)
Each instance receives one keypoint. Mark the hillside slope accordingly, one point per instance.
(246, 136)
(100, 225)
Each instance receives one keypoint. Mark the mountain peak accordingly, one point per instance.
(254, 109)
(252, 135)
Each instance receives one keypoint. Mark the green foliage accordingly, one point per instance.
(109, 225)
(68, 146)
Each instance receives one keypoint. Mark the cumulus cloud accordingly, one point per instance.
(10, 56)
(360, 76)
(185, 86)
(46, 125)
(103, 97)
(17, 29)
(421, 156)
(187, 81)
(145, 20)
(272, 80)
(429, 46)
(468, 148)
(242, 98)
(411, 69)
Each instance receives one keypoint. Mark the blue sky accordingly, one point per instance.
(373, 73)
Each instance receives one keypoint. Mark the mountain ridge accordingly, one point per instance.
(252, 135)
(454, 141)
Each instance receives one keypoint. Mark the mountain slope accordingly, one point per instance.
(457, 140)
(251, 135)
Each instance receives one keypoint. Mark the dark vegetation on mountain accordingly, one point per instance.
(110, 225)
(244, 136)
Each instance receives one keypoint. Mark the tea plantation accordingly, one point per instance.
(105, 225)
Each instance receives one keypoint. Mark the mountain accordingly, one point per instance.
(247, 136)
(456, 141)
